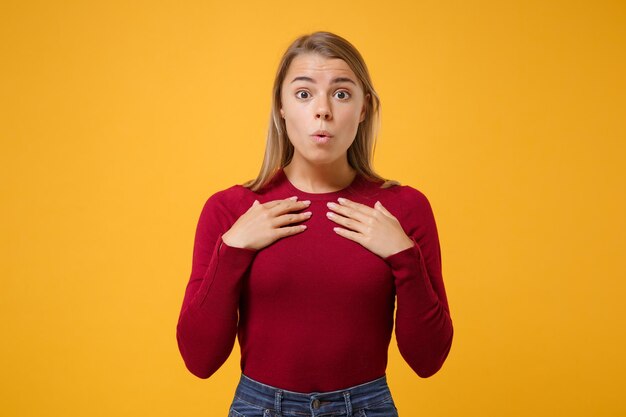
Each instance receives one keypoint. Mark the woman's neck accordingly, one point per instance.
(319, 180)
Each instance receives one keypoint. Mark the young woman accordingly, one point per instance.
(304, 263)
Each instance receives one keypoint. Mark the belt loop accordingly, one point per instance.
(346, 396)
(277, 402)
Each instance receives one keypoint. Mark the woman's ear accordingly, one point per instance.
(363, 111)
(282, 113)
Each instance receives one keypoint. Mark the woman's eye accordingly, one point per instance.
(301, 91)
(344, 95)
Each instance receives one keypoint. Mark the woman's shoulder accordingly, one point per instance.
(230, 193)
(412, 204)
(408, 194)
(228, 201)
(413, 194)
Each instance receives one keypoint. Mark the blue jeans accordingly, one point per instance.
(255, 399)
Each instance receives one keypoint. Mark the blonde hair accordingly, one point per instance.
(278, 148)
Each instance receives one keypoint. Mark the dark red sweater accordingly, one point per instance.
(316, 310)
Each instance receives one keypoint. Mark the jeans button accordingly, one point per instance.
(316, 403)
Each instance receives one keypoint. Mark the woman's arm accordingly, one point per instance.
(423, 324)
(207, 325)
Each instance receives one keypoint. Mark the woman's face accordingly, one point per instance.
(319, 93)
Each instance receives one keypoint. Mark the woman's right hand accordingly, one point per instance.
(261, 224)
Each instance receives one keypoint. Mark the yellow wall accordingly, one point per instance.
(118, 119)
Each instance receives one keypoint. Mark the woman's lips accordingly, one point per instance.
(321, 139)
(321, 136)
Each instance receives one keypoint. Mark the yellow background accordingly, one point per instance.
(118, 119)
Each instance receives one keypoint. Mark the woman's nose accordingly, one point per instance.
(323, 110)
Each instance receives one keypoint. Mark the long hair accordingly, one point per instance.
(278, 148)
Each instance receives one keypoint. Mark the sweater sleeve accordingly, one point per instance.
(423, 324)
(207, 324)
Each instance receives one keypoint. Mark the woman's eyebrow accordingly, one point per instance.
(334, 81)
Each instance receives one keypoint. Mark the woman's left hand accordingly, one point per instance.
(376, 228)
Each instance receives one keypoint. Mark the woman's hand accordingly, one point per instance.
(376, 228)
(261, 224)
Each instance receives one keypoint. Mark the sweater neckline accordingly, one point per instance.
(353, 186)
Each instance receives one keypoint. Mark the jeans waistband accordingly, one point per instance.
(347, 399)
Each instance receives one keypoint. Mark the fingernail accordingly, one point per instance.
(295, 197)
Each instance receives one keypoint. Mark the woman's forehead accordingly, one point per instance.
(318, 66)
